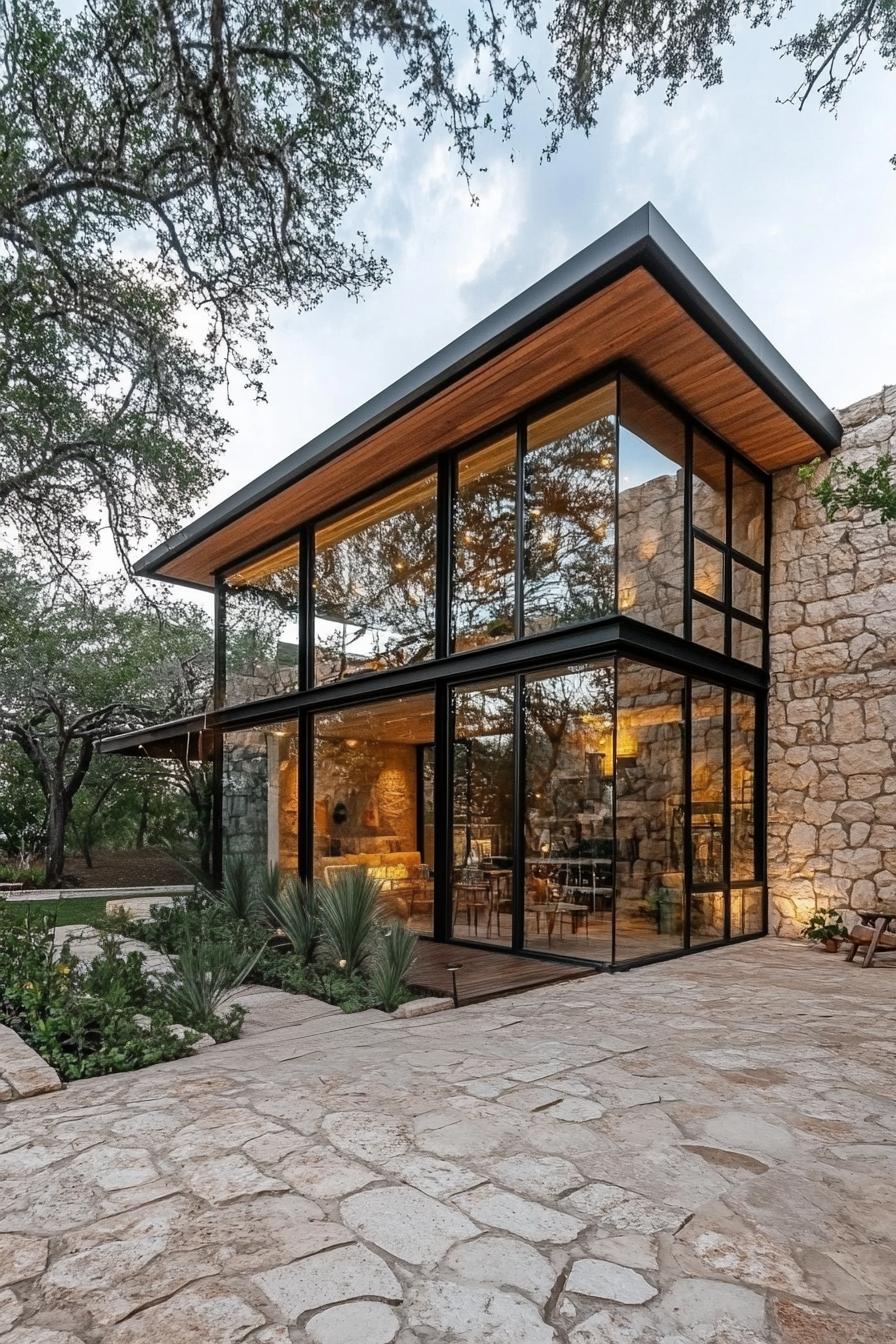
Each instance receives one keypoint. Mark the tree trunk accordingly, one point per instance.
(142, 821)
(54, 845)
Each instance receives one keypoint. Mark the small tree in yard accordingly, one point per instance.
(77, 665)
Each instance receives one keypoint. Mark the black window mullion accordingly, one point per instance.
(519, 622)
(726, 806)
(305, 746)
(689, 530)
(443, 813)
(306, 608)
(687, 817)
(518, 921)
(613, 861)
(219, 673)
(445, 497)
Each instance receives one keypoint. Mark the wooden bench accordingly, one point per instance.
(875, 938)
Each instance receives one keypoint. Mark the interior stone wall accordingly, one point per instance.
(832, 710)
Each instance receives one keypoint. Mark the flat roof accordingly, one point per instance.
(684, 330)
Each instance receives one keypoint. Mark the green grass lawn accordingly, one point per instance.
(76, 910)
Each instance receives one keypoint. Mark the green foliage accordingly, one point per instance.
(29, 874)
(392, 966)
(240, 897)
(294, 908)
(107, 1017)
(348, 907)
(824, 926)
(207, 967)
(351, 993)
(847, 485)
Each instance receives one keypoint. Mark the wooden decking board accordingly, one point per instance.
(484, 974)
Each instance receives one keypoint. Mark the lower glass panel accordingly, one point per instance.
(707, 782)
(373, 800)
(649, 811)
(707, 917)
(482, 799)
(568, 818)
(746, 910)
(260, 796)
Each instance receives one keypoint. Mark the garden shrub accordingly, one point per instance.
(85, 1020)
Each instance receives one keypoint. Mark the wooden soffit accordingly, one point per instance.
(634, 319)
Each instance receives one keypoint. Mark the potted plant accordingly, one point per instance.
(825, 927)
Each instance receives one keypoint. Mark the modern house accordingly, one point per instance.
(501, 635)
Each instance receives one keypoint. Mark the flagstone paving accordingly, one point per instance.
(700, 1152)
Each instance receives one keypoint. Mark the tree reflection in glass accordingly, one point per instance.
(261, 626)
(570, 508)
(375, 584)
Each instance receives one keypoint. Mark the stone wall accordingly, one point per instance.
(832, 711)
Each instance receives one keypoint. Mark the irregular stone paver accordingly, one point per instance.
(366, 1322)
(21, 1257)
(616, 1207)
(463, 1314)
(232, 1177)
(505, 1262)
(197, 1315)
(602, 1278)
(332, 1276)
(524, 1217)
(406, 1223)
(741, 1165)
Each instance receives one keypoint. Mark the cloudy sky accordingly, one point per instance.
(795, 213)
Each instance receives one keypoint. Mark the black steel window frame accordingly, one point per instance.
(445, 464)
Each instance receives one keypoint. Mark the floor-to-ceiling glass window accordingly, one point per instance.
(569, 561)
(483, 587)
(650, 887)
(261, 620)
(373, 800)
(651, 509)
(482, 798)
(375, 583)
(747, 897)
(568, 811)
(260, 796)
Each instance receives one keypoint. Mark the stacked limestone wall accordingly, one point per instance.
(832, 711)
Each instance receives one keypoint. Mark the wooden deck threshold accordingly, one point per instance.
(484, 974)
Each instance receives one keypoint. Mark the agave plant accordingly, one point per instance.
(348, 906)
(204, 971)
(294, 908)
(239, 895)
(391, 966)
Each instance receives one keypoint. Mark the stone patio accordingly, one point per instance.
(699, 1152)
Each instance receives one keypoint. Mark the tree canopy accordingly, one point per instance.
(79, 665)
(171, 172)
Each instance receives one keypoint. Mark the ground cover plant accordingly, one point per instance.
(110, 1015)
(327, 940)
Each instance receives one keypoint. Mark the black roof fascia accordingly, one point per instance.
(644, 239)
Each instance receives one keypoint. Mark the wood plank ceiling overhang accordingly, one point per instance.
(638, 294)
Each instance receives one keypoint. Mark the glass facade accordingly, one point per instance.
(518, 765)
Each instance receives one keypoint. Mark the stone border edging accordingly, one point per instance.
(23, 1073)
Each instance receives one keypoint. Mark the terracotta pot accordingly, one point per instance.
(831, 944)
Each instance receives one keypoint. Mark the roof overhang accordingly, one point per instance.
(187, 740)
(638, 294)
